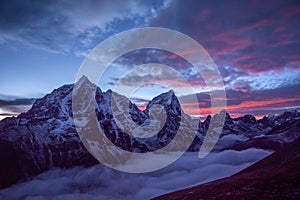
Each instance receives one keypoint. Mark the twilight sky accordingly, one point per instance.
(255, 44)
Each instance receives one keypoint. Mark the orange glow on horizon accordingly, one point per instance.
(233, 110)
(142, 108)
(246, 106)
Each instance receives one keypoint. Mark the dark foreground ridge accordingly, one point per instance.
(275, 177)
(45, 136)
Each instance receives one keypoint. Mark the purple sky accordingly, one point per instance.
(255, 44)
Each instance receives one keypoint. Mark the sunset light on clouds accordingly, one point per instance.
(255, 44)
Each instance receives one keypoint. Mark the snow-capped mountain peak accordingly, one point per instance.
(45, 136)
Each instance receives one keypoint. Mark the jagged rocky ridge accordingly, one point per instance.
(46, 137)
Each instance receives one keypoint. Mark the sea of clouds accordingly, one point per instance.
(101, 182)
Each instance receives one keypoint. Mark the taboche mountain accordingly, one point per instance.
(45, 136)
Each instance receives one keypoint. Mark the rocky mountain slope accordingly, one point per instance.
(275, 177)
(45, 136)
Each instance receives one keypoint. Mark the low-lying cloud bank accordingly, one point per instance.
(100, 182)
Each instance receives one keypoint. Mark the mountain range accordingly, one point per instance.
(45, 136)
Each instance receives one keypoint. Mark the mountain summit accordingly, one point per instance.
(45, 136)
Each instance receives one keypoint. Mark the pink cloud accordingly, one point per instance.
(246, 106)
(290, 12)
